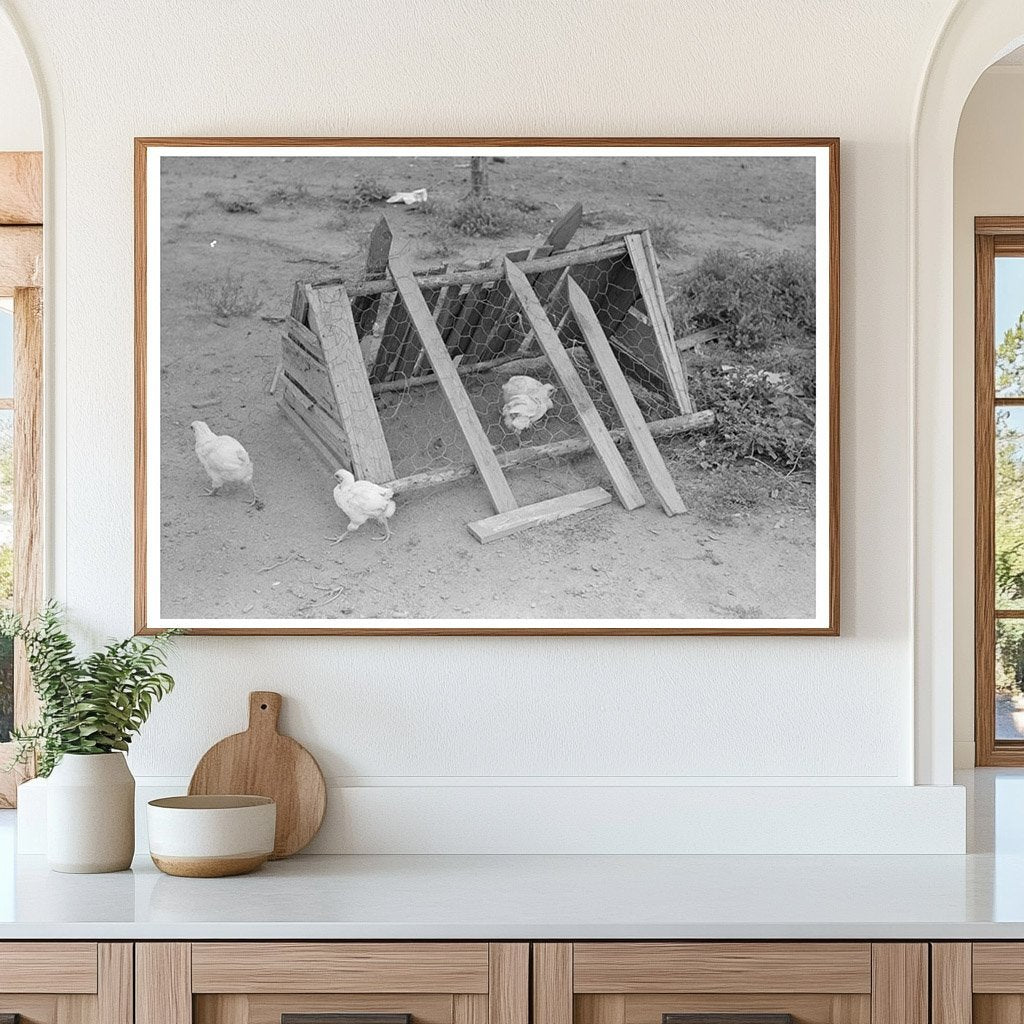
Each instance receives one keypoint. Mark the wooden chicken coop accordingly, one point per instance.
(594, 318)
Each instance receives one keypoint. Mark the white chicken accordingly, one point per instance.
(224, 459)
(361, 500)
(526, 401)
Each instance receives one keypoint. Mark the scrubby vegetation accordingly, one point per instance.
(762, 299)
(228, 296)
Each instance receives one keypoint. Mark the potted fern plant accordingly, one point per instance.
(90, 708)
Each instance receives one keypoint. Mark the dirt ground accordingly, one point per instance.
(744, 550)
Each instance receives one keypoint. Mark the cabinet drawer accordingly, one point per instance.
(332, 983)
(730, 983)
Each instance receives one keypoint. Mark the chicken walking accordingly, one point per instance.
(224, 459)
(361, 500)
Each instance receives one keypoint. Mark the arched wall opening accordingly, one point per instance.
(977, 33)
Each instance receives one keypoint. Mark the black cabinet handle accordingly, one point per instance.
(334, 1018)
(727, 1018)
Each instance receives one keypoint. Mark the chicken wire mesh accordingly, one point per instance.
(522, 406)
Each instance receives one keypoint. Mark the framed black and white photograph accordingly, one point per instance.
(506, 386)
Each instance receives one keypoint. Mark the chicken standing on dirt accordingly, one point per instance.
(224, 459)
(361, 500)
(526, 401)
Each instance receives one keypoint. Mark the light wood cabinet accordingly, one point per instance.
(978, 983)
(66, 982)
(263, 982)
(751, 982)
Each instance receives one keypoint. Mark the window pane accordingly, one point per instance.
(1009, 322)
(1009, 679)
(6, 567)
(6, 353)
(1009, 539)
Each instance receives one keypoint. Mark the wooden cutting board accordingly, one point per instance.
(262, 762)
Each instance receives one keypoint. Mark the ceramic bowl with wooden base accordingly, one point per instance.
(211, 836)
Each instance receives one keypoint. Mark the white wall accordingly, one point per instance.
(21, 126)
(435, 715)
(987, 181)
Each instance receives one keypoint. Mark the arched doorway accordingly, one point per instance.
(976, 34)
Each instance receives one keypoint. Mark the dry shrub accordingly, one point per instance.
(228, 296)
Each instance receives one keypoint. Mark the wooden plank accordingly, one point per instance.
(370, 343)
(568, 448)
(697, 338)
(339, 967)
(503, 321)
(755, 967)
(395, 328)
(625, 404)
(625, 487)
(21, 188)
(21, 259)
(899, 989)
(452, 386)
(508, 991)
(115, 983)
(330, 450)
(412, 354)
(652, 264)
(998, 967)
(163, 983)
(564, 228)
(552, 983)
(666, 345)
(522, 518)
(442, 314)
(307, 374)
(473, 309)
(951, 997)
(66, 967)
(468, 1008)
(364, 308)
(330, 316)
(299, 305)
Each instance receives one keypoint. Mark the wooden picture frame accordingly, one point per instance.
(310, 312)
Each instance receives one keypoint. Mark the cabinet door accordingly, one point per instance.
(65, 983)
(332, 983)
(730, 983)
(980, 982)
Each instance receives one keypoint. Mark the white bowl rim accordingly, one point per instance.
(212, 802)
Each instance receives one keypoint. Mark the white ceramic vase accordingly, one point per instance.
(90, 814)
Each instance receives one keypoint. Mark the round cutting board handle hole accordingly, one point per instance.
(263, 707)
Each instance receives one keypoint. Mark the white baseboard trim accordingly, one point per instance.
(526, 819)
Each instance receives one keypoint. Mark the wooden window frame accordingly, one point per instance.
(21, 272)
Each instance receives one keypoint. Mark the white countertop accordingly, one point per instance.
(977, 896)
(496, 897)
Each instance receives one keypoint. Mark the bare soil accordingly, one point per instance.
(745, 549)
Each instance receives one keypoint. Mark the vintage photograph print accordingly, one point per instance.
(487, 386)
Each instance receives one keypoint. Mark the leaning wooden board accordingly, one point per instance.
(262, 762)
